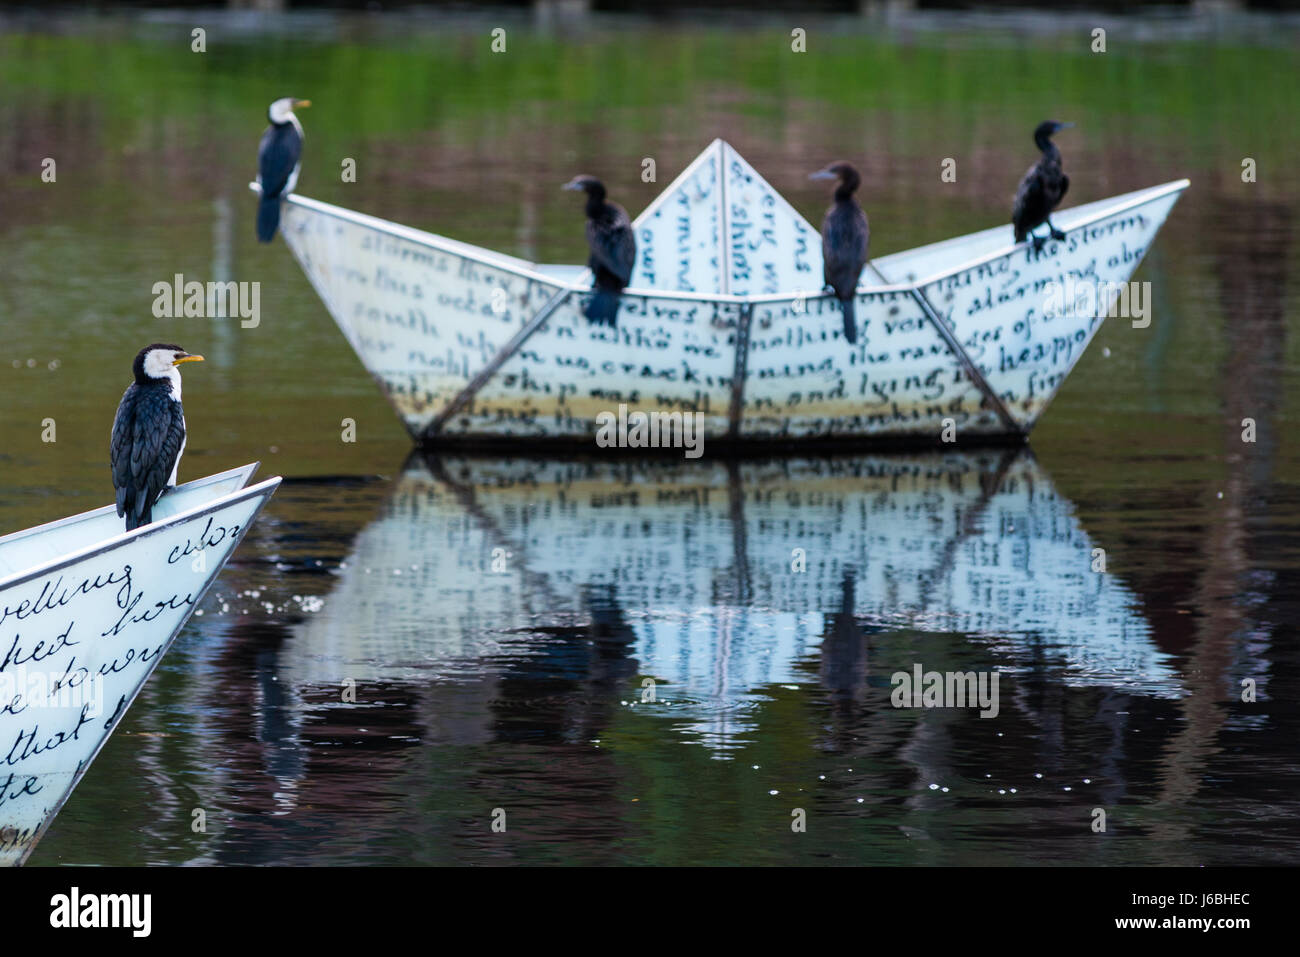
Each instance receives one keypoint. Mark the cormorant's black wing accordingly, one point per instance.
(1065, 185)
(277, 155)
(613, 244)
(1031, 206)
(845, 237)
(147, 437)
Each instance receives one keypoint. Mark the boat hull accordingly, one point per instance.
(81, 631)
(955, 341)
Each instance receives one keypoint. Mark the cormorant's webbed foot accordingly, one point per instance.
(1038, 242)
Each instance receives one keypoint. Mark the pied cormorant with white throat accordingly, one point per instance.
(149, 432)
(278, 158)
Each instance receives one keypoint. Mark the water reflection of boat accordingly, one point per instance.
(717, 580)
(86, 613)
(725, 317)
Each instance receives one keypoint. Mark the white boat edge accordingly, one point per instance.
(551, 274)
(238, 477)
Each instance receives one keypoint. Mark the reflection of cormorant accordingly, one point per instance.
(613, 249)
(558, 661)
(843, 649)
(845, 236)
(1042, 189)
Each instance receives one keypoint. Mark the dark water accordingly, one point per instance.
(520, 686)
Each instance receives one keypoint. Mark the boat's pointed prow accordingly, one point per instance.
(87, 615)
(1025, 316)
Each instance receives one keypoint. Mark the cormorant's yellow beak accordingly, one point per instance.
(181, 359)
(301, 104)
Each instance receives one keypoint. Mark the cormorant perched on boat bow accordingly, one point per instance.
(149, 432)
(613, 249)
(278, 158)
(845, 237)
(1042, 189)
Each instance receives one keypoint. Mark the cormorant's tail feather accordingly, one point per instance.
(603, 307)
(850, 319)
(136, 521)
(268, 218)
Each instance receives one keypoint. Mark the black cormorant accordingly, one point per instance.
(613, 249)
(149, 432)
(277, 162)
(1042, 189)
(845, 236)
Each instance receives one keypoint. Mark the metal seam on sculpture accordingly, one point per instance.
(739, 370)
(724, 240)
(494, 364)
(972, 371)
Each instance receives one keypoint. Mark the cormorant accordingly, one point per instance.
(845, 237)
(149, 432)
(1042, 189)
(278, 162)
(613, 249)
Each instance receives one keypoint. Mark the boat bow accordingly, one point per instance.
(86, 613)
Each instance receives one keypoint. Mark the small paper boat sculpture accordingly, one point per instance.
(726, 317)
(87, 610)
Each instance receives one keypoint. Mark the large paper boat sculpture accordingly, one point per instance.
(725, 316)
(86, 613)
